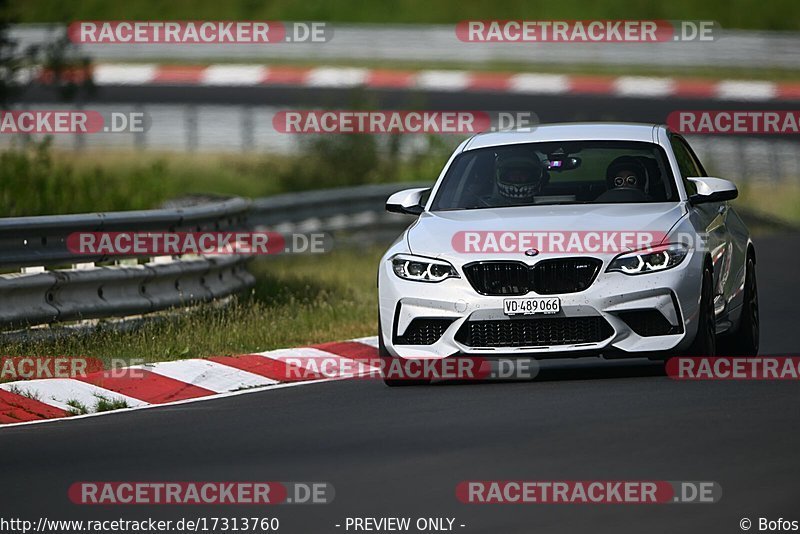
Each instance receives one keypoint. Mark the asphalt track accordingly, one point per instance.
(401, 452)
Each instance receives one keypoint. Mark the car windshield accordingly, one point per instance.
(572, 172)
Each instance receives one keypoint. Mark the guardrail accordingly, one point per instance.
(329, 210)
(75, 287)
(56, 285)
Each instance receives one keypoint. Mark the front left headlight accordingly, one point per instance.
(422, 269)
(653, 259)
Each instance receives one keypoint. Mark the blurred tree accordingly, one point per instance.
(57, 62)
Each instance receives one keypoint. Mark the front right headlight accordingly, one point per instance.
(420, 269)
(649, 260)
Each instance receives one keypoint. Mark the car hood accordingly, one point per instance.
(432, 234)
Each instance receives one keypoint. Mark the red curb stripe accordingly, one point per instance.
(788, 91)
(688, 88)
(351, 349)
(267, 367)
(591, 84)
(285, 76)
(18, 409)
(146, 385)
(489, 80)
(390, 78)
(179, 74)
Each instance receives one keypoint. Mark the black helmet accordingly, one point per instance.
(518, 176)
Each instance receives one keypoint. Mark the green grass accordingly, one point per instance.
(76, 407)
(774, 15)
(780, 200)
(36, 180)
(298, 300)
(105, 404)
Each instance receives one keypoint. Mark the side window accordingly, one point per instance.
(423, 200)
(694, 157)
(687, 163)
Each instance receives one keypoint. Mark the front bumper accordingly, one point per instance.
(609, 302)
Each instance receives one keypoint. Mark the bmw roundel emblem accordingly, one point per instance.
(531, 252)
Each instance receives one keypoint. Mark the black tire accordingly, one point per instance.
(745, 340)
(705, 341)
(386, 361)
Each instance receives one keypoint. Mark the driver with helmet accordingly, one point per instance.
(519, 177)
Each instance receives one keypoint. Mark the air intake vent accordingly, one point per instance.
(538, 332)
(423, 331)
(649, 323)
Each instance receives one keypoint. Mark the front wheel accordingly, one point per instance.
(745, 341)
(705, 342)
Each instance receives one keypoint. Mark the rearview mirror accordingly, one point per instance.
(408, 201)
(712, 190)
(562, 163)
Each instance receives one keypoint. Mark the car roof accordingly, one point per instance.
(568, 131)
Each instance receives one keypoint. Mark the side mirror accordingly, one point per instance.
(713, 190)
(408, 201)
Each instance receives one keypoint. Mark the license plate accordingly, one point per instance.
(531, 306)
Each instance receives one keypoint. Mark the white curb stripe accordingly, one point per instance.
(208, 374)
(336, 77)
(447, 80)
(372, 341)
(234, 75)
(58, 391)
(112, 74)
(643, 86)
(746, 90)
(539, 83)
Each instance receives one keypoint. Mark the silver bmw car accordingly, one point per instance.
(569, 240)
